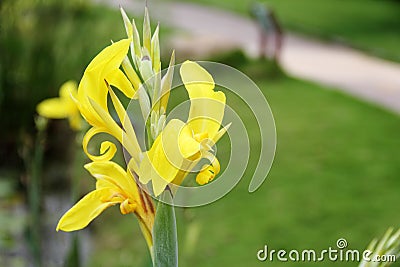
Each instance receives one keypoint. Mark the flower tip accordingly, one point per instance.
(87, 165)
(58, 228)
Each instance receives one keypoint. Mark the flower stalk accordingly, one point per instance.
(165, 236)
(35, 191)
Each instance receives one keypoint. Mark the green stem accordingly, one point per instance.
(35, 191)
(73, 257)
(165, 241)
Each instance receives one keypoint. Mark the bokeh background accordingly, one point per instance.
(337, 168)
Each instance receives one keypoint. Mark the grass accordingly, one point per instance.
(365, 24)
(335, 176)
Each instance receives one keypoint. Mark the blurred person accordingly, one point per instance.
(269, 27)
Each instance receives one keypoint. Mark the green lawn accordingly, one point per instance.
(335, 175)
(369, 25)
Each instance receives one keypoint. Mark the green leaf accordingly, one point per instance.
(165, 242)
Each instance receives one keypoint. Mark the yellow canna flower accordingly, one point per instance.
(134, 81)
(62, 107)
(180, 146)
(174, 149)
(114, 186)
(94, 88)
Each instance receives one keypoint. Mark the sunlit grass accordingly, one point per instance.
(335, 175)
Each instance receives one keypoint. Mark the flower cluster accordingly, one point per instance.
(132, 67)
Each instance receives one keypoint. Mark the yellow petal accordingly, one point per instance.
(207, 106)
(118, 79)
(188, 146)
(87, 209)
(131, 74)
(112, 128)
(145, 168)
(162, 163)
(195, 76)
(55, 108)
(75, 121)
(115, 175)
(130, 139)
(107, 121)
(205, 176)
(92, 85)
(69, 89)
(63, 107)
(109, 58)
(208, 172)
(107, 149)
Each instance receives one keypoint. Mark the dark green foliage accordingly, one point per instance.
(43, 44)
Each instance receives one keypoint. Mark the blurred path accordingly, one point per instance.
(205, 30)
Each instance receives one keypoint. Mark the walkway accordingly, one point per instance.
(204, 29)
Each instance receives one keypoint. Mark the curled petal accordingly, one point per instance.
(208, 172)
(107, 148)
(86, 210)
(127, 207)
